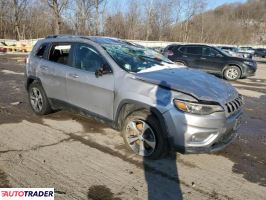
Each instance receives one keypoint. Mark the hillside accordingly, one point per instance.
(230, 24)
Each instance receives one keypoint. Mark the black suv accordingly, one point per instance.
(260, 52)
(211, 60)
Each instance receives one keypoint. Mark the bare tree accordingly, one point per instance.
(133, 20)
(19, 7)
(164, 19)
(82, 16)
(149, 9)
(57, 7)
(98, 13)
(191, 8)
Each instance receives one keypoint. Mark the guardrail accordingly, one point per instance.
(165, 43)
(9, 45)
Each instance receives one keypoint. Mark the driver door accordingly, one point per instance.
(84, 89)
(211, 60)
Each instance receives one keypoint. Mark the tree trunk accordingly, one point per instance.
(97, 18)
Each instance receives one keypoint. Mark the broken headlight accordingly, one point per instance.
(197, 108)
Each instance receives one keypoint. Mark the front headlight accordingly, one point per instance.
(197, 108)
(248, 63)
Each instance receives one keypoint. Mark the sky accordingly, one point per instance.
(214, 3)
(116, 4)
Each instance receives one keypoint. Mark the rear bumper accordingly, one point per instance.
(217, 130)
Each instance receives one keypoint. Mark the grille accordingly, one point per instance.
(235, 105)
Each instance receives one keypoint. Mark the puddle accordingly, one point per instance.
(101, 192)
(248, 151)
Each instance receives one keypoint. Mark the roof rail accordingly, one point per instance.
(61, 35)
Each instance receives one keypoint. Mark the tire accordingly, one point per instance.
(180, 63)
(154, 144)
(232, 73)
(38, 100)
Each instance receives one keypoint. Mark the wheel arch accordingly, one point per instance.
(30, 80)
(181, 61)
(127, 107)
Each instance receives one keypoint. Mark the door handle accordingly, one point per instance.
(44, 67)
(202, 58)
(73, 75)
(184, 56)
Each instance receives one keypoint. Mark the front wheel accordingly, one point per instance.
(232, 73)
(143, 135)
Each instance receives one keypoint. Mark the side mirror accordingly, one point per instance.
(104, 69)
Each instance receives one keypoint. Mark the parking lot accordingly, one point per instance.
(84, 159)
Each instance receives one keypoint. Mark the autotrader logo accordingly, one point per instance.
(26, 193)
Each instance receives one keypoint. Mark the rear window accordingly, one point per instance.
(59, 53)
(41, 50)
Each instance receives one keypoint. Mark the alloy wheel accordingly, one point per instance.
(232, 73)
(140, 137)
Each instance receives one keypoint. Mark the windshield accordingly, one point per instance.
(227, 52)
(136, 59)
(223, 51)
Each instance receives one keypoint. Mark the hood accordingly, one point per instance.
(196, 83)
(241, 59)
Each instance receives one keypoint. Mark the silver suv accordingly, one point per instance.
(158, 106)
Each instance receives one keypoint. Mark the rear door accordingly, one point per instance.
(52, 71)
(84, 88)
(192, 54)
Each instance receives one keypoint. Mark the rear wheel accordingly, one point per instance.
(38, 99)
(179, 63)
(143, 135)
(232, 73)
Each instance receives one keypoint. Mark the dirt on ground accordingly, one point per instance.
(85, 159)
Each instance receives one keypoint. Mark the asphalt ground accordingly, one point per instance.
(85, 159)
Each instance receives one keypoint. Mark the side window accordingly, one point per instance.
(209, 52)
(194, 50)
(87, 58)
(183, 49)
(41, 50)
(59, 53)
(175, 49)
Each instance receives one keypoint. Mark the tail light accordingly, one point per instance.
(169, 53)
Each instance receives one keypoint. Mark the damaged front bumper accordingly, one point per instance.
(190, 133)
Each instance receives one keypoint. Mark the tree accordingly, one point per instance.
(83, 13)
(191, 8)
(57, 7)
(19, 7)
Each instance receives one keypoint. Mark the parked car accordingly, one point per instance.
(211, 60)
(3, 48)
(260, 52)
(234, 51)
(157, 105)
(249, 50)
